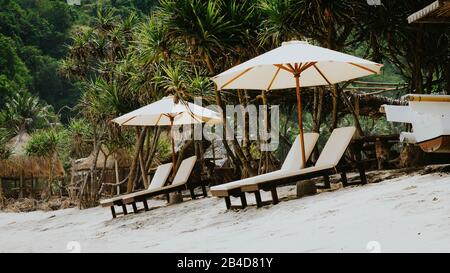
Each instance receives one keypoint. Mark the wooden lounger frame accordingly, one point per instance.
(325, 173)
(143, 197)
(270, 185)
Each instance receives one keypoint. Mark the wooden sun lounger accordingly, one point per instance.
(291, 163)
(158, 181)
(179, 183)
(329, 162)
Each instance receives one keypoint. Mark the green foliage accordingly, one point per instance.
(80, 135)
(46, 143)
(24, 111)
(33, 35)
(164, 148)
(14, 75)
(110, 57)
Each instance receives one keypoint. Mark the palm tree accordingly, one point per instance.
(278, 22)
(25, 112)
(210, 31)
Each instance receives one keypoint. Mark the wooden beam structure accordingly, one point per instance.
(436, 12)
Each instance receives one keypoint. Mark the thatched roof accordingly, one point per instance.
(436, 12)
(122, 156)
(20, 164)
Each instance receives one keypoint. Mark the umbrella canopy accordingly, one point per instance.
(274, 69)
(295, 64)
(166, 112)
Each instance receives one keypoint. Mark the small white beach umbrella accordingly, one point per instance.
(166, 112)
(295, 64)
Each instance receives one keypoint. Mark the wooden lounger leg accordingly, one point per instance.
(124, 209)
(243, 200)
(205, 193)
(274, 196)
(144, 202)
(344, 179)
(134, 207)
(113, 212)
(191, 190)
(326, 180)
(228, 202)
(258, 199)
(362, 174)
(168, 197)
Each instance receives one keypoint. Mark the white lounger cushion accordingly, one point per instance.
(184, 171)
(158, 180)
(335, 147)
(182, 176)
(329, 157)
(291, 163)
(160, 176)
(293, 159)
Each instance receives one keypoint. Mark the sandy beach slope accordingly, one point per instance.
(410, 213)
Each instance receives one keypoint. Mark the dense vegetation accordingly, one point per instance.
(84, 65)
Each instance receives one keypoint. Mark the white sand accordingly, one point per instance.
(408, 214)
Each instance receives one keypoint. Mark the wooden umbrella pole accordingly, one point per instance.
(300, 119)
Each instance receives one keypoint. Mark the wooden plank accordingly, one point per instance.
(438, 11)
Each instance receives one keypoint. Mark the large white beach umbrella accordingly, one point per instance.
(168, 112)
(295, 64)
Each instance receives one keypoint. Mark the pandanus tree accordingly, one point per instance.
(214, 33)
(99, 57)
(325, 22)
(420, 52)
(25, 112)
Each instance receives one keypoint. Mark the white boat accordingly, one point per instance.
(430, 119)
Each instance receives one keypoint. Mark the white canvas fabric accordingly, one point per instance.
(293, 160)
(155, 114)
(397, 113)
(291, 163)
(329, 157)
(258, 72)
(335, 147)
(160, 176)
(184, 171)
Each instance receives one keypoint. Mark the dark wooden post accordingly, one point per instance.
(113, 211)
(228, 202)
(344, 179)
(243, 200)
(258, 199)
(274, 196)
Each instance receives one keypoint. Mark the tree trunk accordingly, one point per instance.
(236, 160)
(318, 107)
(144, 172)
(83, 200)
(21, 185)
(134, 164)
(335, 101)
(152, 150)
(246, 132)
(2, 195)
(116, 172)
(352, 111)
